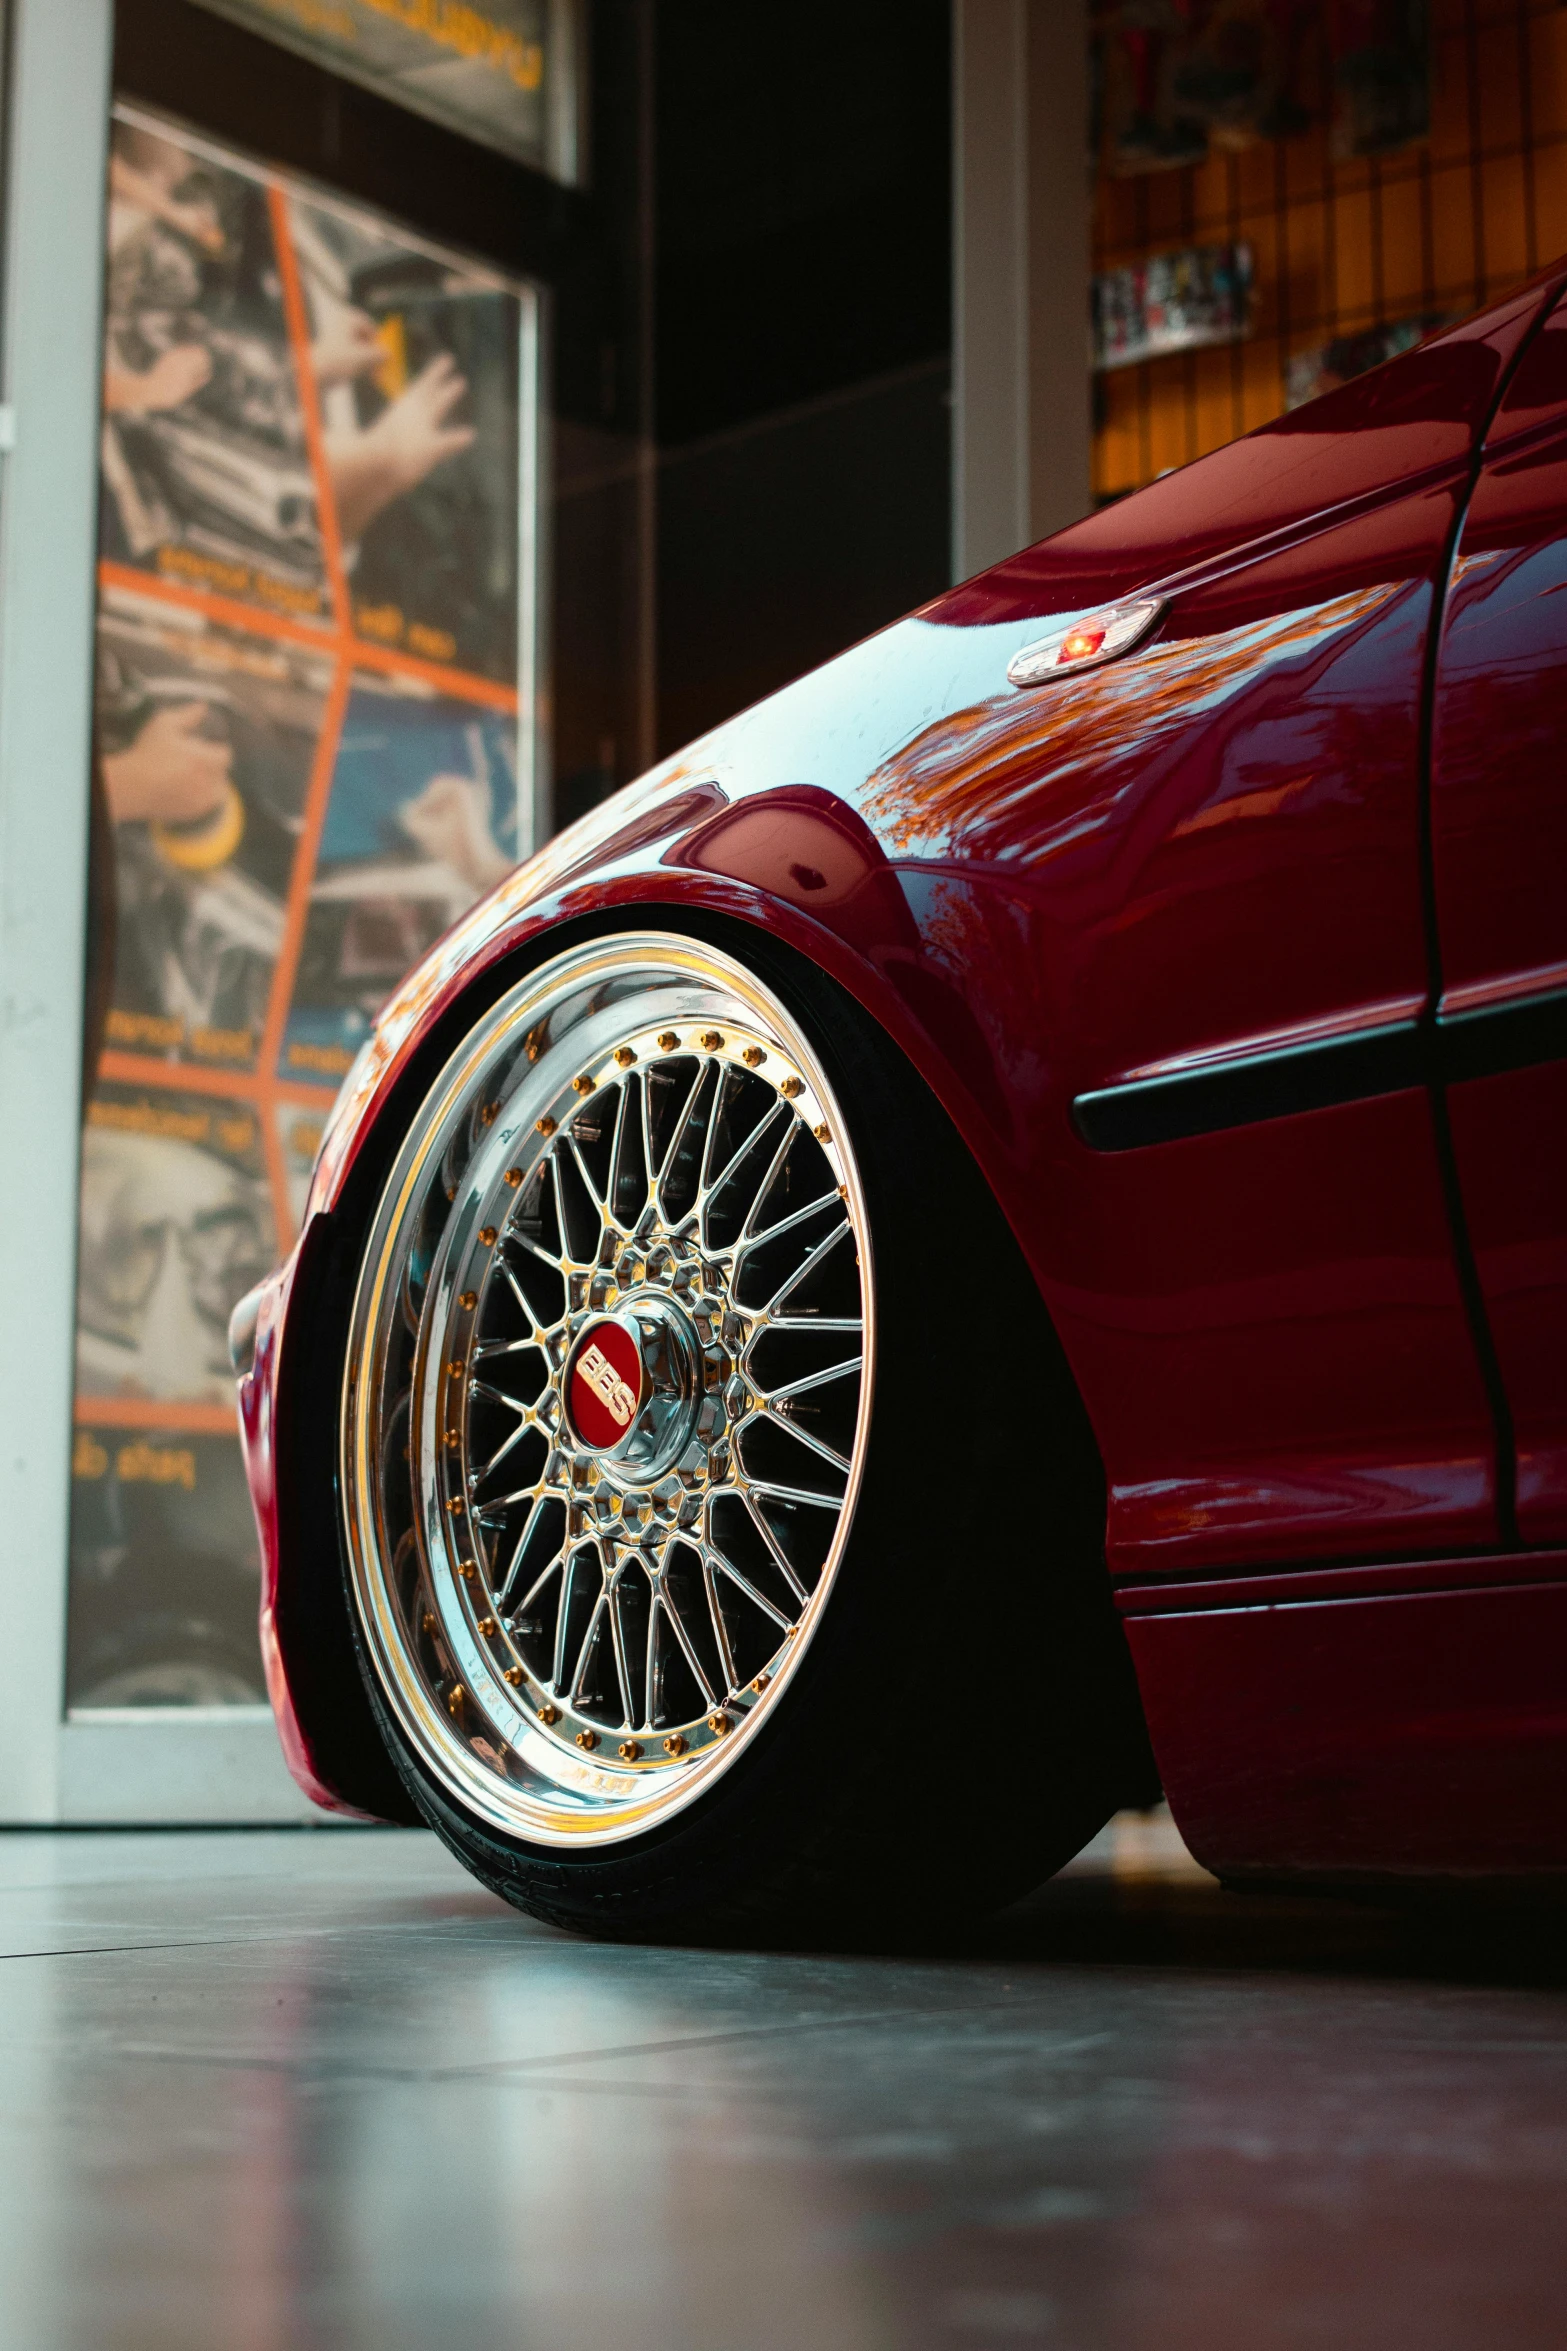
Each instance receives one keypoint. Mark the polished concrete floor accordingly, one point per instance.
(275, 2090)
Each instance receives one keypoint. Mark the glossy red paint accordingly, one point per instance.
(1499, 846)
(258, 1392)
(1510, 1140)
(1409, 1732)
(1210, 846)
(1498, 810)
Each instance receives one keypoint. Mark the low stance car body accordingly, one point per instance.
(1217, 1260)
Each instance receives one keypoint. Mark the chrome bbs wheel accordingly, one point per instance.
(607, 1391)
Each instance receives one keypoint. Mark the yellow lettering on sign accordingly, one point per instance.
(223, 1044)
(147, 1118)
(144, 1028)
(332, 1060)
(451, 24)
(157, 1465)
(88, 1458)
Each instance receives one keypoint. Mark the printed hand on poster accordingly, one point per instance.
(207, 741)
(416, 365)
(205, 470)
(422, 819)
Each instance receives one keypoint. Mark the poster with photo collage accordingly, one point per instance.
(312, 743)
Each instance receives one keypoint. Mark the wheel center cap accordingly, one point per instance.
(633, 1387)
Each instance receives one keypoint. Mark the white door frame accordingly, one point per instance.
(200, 1765)
(56, 131)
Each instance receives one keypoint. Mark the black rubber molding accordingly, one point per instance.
(1296, 1078)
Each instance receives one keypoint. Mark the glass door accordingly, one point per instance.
(315, 714)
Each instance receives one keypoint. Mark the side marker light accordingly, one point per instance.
(1086, 643)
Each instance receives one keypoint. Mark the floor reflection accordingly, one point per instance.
(286, 2090)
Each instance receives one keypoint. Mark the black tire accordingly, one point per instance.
(965, 1717)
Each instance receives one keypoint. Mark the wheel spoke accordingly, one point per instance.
(816, 1444)
(779, 1110)
(485, 1511)
(716, 1617)
(809, 1322)
(617, 1634)
(645, 1096)
(767, 1183)
(532, 1248)
(787, 1223)
(650, 1665)
(491, 1350)
(780, 1493)
(815, 1379)
(503, 1598)
(725, 1567)
(687, 1647)
(775, 1548)
(581, 1165)
(677, 1132)
(585, 1653)
(793, 1281)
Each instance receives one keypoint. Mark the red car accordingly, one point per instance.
(990, 1237)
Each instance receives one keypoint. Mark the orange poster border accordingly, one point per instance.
(155, 1412)
(333, 638)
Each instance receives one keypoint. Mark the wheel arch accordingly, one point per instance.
(312, 1624)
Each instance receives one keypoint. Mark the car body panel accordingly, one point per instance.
(1209, 848)
(1416, 1729)
(1499, 845)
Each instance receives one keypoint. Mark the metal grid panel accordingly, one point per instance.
(1343, 246)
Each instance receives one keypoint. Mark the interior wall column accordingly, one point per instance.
(1021, 393)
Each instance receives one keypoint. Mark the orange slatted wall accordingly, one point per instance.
(1344, 245)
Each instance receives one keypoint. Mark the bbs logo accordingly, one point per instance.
(607, 1385)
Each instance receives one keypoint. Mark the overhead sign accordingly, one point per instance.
(499, 72)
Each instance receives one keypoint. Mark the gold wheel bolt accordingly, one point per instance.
(582, 1085)
(821, 1133)
(587, 1740)
(549, 1714)
(487, 1235)
(431, 1622)
(630, 1750)
(624, 1055)
(452, 1439)
(454, 1698)
(455, 1506)
(514, 1177)
(753, 1057)
(544, 1126)
(468, 1301)
(790, 1089)
(489, 1114)
(467, 1570)
(486, 1628)
(718, 1724)
(456, 1367)
(513, 1674)
(759, 1685)
(674, 1744)
(710, 1040)
(667, 1040)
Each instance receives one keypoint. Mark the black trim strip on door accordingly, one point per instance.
(1287, 1080)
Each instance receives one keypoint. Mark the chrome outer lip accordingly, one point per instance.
(515, 1734)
